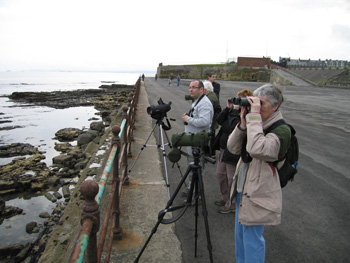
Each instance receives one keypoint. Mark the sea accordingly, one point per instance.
(21, 123)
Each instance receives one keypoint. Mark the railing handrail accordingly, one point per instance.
(93, 192)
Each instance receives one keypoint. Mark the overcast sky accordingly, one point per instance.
(129, 35)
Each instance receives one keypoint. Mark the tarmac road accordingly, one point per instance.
(316, 211)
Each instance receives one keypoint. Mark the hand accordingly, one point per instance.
(229, 105)
(255, 104)
(185, 117)
(243, 113)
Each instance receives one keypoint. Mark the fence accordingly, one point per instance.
(86, 244)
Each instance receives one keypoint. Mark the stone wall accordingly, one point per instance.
(223, 72)
(340, 80)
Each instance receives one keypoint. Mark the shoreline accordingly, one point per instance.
(108, 103)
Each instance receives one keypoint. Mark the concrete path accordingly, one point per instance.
(315, 219)
(143, 199)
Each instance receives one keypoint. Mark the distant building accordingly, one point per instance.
(308, 63)
(254, 62)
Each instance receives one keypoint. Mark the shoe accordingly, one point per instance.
(185, 193)
(220, 202)
(225, 210)
(213, 156)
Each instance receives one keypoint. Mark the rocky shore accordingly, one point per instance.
(27, 174)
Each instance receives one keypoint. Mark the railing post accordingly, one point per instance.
(90, 210)
(127, 149)
(117, 230)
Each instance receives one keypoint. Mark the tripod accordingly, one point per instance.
(160, 145)
(196, 191)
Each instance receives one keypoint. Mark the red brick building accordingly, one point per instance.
(253, 62)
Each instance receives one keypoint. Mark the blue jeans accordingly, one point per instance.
(250, 243)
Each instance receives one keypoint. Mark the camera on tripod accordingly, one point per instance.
(159, 111)
(199, 140)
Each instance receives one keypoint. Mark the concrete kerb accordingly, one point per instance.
(142, 200)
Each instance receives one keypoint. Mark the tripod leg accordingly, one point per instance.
(195, 182)
(205, 213)
(164, 158)
(167, 138)
(177, 164)
(144, 146)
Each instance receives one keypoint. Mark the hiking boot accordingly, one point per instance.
(225, 210)
(220, 202)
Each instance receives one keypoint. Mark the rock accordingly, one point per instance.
(50, 197)
(53, 180)
(23, 253)
(35, 186)
(10, 251)
(81, 165)
(97, 126)
(87, 137)
(63, 159)
(63, 147)
(24, 174)
(44, 215)
(6, 185)
(10, 211)
(76, 153)
(68, 134)
(17, 149)
(32, 227)
(2, 206)
(57, 195)
(66, 191)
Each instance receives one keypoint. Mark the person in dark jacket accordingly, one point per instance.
(228, 119)
(216, 86)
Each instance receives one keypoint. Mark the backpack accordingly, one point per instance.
(288, 170)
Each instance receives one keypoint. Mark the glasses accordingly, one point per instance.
(193, 87)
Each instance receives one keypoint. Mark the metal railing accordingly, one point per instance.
(86, 247)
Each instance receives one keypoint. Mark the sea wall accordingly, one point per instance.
(223, 72)
(277, 78)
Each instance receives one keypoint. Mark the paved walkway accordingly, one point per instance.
(143, 199)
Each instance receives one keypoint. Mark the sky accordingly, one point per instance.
(137, 35)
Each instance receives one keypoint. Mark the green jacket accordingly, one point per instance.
(215, 101)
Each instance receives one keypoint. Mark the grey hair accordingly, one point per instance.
(208, 86)
(272, 92)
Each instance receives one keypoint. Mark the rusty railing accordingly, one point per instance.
(86, 247)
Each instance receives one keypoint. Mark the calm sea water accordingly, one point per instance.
(38, 125)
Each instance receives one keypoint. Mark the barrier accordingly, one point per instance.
(86, 244)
